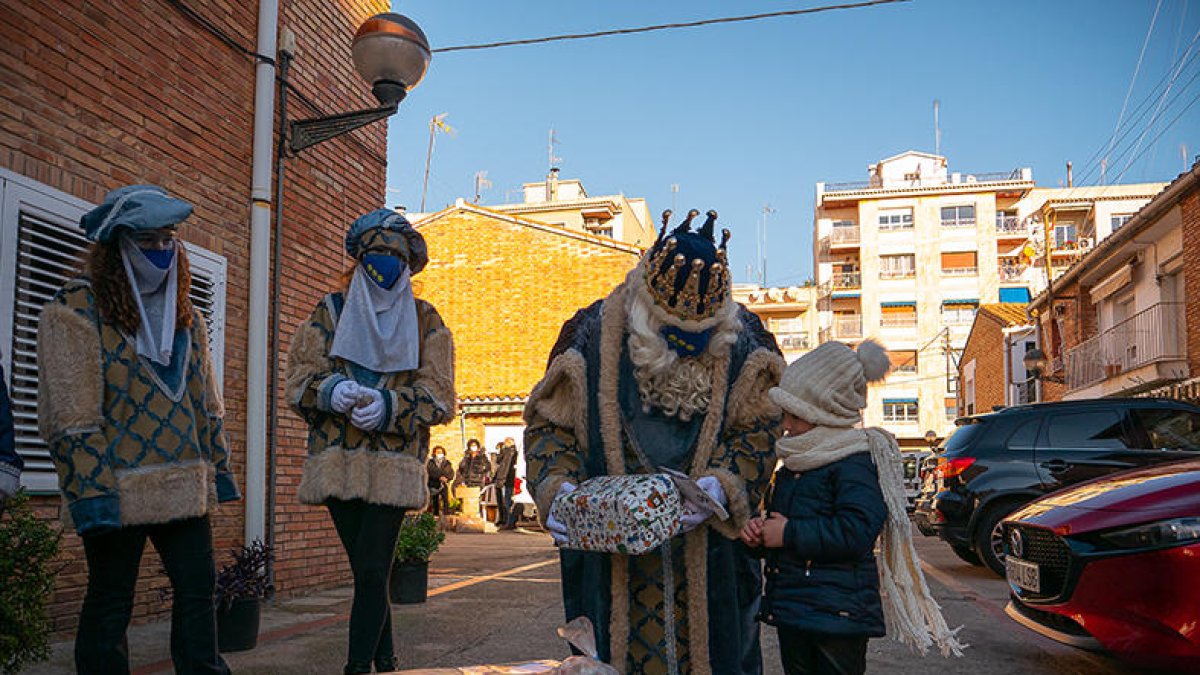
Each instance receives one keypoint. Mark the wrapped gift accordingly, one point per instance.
(631, 514)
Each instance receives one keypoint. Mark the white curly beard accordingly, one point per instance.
(678, 387)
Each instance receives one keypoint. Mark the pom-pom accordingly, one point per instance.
(874, 359)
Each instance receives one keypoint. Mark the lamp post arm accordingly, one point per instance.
(307, 133)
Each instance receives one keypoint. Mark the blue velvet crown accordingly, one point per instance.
(687, 273)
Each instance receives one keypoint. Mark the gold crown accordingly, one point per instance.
(708, 268)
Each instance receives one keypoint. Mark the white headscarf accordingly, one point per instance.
(155, 292)
(378, 326)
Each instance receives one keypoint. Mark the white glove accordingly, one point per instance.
(558, 531)
(345, 395)
(694, 515)
(367, 415)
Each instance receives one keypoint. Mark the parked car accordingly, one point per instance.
(1113, 564)
(995, 463)
(912, 463)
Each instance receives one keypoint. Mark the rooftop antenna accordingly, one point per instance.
(937, 129)
(675, 190)
(1183, 154)
(481, 183)
(766, 211)
(553, 141)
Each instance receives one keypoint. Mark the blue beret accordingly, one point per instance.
(362, 230)
(138, 207)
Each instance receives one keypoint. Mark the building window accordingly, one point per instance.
(960, 264)
(951, 408)
(1065, 235)
(904, 362)
(896, 219)
(900, 412)
(958, 216)
(40, 249)
(952, 383)
(959, 313)
(1119, 219)
(897, 266)
(898, 316)
(1007, 222)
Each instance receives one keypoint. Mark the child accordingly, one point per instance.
(839, 489)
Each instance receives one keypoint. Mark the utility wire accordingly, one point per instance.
(666, 26)
(1136, 70)
(1164, 130)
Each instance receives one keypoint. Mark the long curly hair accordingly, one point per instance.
(114, 296)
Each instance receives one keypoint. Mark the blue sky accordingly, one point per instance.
(743, 115)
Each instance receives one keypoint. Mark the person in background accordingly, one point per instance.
(441, 476)
(134, 419)
(370, 372)
(840, 487)
(474, 470)
(504, 479)
(10, 461)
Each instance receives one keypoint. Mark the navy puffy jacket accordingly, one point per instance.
(824, 579)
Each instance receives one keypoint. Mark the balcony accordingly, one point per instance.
(1011, 274)
(793, 341)
(1011, 225)
(847, 326)
(846, 280)
(898, 321)
(1148, 337)
(845, 237)
(898, 274)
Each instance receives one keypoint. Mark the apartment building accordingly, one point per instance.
(566, 203)
(908, 256)
(790, 313)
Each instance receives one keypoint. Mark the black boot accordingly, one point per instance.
(386, 664)
(356, 667)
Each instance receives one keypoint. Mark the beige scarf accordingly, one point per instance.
(913, 616)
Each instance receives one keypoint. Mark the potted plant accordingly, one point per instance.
(28, 546)
(242, 585)
(419, 538)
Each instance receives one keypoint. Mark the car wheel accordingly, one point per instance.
(989, 537)
(966, 554)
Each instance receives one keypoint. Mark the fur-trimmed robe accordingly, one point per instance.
(134, 444)
(381, 467)
(574, 433)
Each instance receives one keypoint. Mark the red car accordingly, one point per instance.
(1113, 564)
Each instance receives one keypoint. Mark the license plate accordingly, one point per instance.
(1023, 574)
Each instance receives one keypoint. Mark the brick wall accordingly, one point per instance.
(102, 94)
(985, 346)
(1190, 215)
(505, 288)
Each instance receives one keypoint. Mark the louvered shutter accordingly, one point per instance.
(40, 234)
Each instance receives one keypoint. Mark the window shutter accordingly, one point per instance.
(958, 260)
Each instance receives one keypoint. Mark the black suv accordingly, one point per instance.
(996, 462)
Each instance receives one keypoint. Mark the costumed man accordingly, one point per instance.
(371, 371)
(670, 362)
(128, 402)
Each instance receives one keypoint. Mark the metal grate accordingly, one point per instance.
(48, 254)
(1051, 555)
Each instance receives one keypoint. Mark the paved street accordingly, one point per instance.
(504, 587)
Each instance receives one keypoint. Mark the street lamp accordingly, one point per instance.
(391, 53)
(1036, 364)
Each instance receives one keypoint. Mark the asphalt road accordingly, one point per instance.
(495, 599)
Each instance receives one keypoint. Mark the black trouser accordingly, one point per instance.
(114, 557)
(368, 533)
(818, 654)
(504, 502)
(439, 499)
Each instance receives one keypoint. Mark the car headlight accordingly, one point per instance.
(1151, 535)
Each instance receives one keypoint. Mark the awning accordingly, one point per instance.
(961, 301)
(899, 400)
(1019, 295)
(1112, 283)
(1014, 253)
(847, 295)
(899, 303)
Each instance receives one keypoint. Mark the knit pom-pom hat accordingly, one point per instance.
(828, 386)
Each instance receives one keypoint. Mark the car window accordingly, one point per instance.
(1025, 435)
(962, 436)
(1092, 429)
(1171, 429)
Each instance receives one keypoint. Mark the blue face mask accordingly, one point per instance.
(384, 270)
(685, 343)
(160, 258)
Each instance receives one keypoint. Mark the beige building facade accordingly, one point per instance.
(790, 313)
(566, 203)
(908, 256)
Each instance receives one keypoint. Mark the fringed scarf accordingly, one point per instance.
(913, 616)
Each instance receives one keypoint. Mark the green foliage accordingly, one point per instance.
(419, 538)
(27, 548)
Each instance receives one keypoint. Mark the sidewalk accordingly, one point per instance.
(492, 598)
